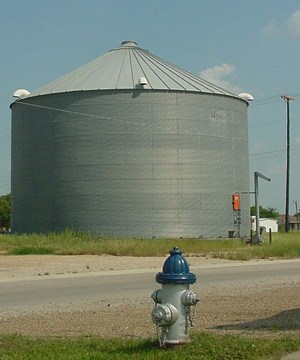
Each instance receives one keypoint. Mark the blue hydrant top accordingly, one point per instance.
(176, 270)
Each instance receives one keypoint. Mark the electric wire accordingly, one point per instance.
(119, 120)
(267, 152)
(267, 157)
(265, 101)
(4, 138)
(252, 157)
(268, 100)
(267, 123)
(155, 126)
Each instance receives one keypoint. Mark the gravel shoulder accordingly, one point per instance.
(17, 267)
(271, 310)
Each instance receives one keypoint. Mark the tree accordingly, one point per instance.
(265, 213)
(5, 211)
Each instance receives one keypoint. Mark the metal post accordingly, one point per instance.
(257, 238)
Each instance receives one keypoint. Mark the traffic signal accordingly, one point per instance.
(236, 202)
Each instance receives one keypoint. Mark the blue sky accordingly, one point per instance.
(245, 46)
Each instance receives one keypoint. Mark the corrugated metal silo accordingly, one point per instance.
(129, 145)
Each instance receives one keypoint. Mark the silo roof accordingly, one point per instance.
(126, 67)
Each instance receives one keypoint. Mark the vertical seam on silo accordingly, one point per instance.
(131, 69)
(184, 74)
(150, 59)
(121, 67)
(135, 55)
(152, 69)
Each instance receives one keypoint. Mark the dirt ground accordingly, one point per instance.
(272, 310)
(17, 267)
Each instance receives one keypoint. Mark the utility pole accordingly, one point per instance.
(287, 99)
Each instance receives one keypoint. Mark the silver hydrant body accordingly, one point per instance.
(172, 312)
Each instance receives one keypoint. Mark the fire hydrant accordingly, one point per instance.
(172, 312)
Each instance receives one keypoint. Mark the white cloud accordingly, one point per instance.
(271, 29)
(289, 28)
(219, 75)
(293, 24)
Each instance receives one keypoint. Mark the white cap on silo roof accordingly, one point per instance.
(129, 43)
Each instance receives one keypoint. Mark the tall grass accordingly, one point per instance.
(71, 243)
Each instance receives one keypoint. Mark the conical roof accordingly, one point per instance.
(127, 67)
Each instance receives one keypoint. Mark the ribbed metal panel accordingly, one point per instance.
(121, 69)
(129, 163)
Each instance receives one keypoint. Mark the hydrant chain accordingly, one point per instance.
(163, 337)
(192, 315)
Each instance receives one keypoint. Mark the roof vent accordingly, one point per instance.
(128, 43)
(246, 96)
(142, 81)
(21, 93)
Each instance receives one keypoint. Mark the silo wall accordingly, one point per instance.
(129, 163)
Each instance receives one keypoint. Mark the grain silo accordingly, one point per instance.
(129, 145)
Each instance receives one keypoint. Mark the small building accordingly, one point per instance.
(267, 223)
(293, 222)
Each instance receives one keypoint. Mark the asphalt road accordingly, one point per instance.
(105, 286)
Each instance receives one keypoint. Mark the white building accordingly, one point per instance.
(268, 223)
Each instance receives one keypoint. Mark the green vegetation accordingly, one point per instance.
(204, 346)
(29, 250)
(5, 212)
(70, 243)
(265, 213)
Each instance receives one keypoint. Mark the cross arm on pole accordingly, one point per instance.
(258, 174)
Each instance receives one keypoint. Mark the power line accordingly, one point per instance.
(4, 182)
(268, 100)
(172, 130)
(267, 157)
(265, 101)
(4, 138)
(120, 120)
(267, 152)
(268, 122)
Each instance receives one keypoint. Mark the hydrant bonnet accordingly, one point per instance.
(176, 270)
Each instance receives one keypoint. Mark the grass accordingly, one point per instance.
(70, 243)
(29, 250)
(204, 345)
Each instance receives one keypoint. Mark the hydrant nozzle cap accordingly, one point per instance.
(175, 251)
(176, 270)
